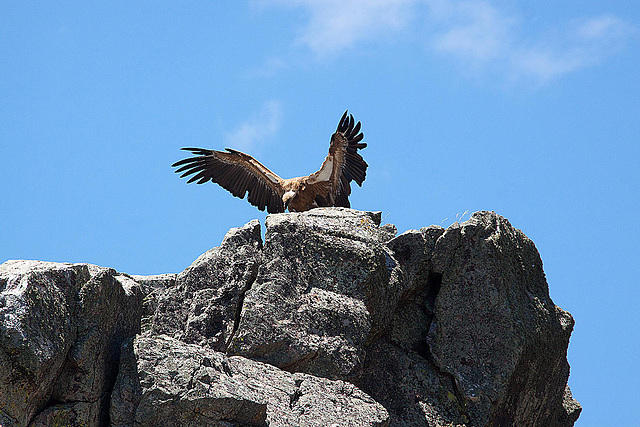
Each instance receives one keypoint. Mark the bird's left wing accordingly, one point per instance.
(237, 172)
(343, 164)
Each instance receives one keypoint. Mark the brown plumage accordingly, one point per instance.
(240, 173)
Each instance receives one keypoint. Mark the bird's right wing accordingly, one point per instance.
(343, 165)
(236, 172)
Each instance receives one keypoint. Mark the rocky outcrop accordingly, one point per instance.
(331, 320)
(60, 336)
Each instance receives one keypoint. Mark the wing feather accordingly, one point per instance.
(343, 164)
(236, 172)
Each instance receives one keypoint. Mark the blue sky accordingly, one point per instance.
(528, 109)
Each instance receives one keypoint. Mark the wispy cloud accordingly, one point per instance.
(477, 34)
(473, 31)
(335, 25)
(480, 34)
(585, 43)
(257, 129)
(604, 28)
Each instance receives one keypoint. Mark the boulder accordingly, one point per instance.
(327, 286)
(61, 331)
(495, 328)
(107, 312)
(36, 332)
(477, 308)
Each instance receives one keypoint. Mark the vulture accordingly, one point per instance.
(241, 174)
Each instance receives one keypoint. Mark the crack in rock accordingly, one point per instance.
(249, 279)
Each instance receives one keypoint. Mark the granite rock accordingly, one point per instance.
(333, 319)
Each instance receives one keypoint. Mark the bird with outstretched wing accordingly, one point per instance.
(241, 174)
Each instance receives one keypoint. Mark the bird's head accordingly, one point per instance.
(287, 197)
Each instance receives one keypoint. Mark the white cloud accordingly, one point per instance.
(605, 27)
(257, 129)
(477, 34)
(335, 25)
(480, 34)
(474, 30)
(544, 64)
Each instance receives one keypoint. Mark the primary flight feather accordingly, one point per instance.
(241, 174)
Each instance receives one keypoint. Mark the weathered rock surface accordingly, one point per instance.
(202, 307)
(60, 336)
(332, 320)
(194, 385)
(327, 285)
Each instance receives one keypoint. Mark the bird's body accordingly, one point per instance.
(240, 173)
